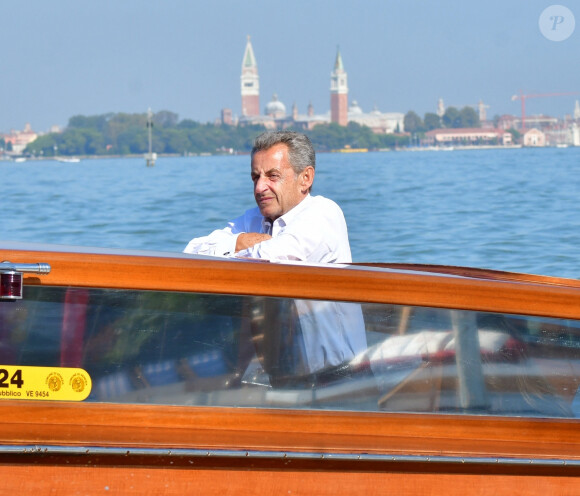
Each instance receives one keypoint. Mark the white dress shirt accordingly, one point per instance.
(314, 231)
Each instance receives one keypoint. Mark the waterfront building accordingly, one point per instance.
(554, 131)
(575, 131)
(379, 122)
(467, 137)
(508, 121)
(275, 108)
(19, 139)
(559, 135)
(250, 82)
(276, 117)
(542, 122)
(338, 92)
(227, 117)
(534, 137)
(307, 121)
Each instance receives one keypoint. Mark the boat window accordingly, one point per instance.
(248, 351)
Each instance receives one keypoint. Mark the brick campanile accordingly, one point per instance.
(338, 93)
(250, 83)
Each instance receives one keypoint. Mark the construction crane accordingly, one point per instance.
(523, 98)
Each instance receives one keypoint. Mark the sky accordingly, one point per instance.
(71, 57)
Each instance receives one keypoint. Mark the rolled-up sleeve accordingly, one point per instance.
(222, 242)
(282, 247)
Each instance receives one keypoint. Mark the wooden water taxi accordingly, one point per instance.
(153, 373)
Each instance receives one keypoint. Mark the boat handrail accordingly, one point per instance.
(363, 284)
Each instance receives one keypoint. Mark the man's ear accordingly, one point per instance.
(307, 178)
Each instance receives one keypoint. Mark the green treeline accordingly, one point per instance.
(327, 137)
(452, 118)
(126, 134)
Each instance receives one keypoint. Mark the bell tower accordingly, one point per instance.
(338, 93)
(250, 83)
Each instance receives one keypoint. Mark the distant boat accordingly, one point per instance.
(349, 149)
(19, 160)
(68, 160)
(428, 149)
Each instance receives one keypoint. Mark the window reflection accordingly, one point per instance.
(222, 350)
(304, 342)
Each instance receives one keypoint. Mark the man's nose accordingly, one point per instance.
(260, 185)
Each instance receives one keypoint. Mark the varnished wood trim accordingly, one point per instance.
(497, 275)
(362, 284)
(134, 426)
(240, 429)
(168, 481)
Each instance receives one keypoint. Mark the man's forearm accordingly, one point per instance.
(247, 240)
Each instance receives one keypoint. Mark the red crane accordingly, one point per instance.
(523, 97)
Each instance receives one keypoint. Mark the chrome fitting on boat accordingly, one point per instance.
(11, 278)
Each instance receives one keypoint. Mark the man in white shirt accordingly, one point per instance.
(290, 224)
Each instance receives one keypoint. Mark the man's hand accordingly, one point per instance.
(247, 240)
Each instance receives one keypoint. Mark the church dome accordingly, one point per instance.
(375, 111)
(354, 108)
(275, 108)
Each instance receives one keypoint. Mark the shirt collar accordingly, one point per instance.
(288, 216)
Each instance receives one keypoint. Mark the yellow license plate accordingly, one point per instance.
(44, 383)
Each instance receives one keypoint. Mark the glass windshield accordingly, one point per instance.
(248, 351)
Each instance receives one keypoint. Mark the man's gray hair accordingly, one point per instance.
(300, 150)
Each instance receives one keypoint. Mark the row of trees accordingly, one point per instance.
(327, 137)
(124, 134)
(452, 118)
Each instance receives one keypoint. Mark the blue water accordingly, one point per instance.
(515, 210)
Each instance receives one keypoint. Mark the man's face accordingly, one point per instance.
(277, 188)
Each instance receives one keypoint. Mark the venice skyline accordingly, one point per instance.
(69, 59)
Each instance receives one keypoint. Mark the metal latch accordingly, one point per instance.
(11, 278)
